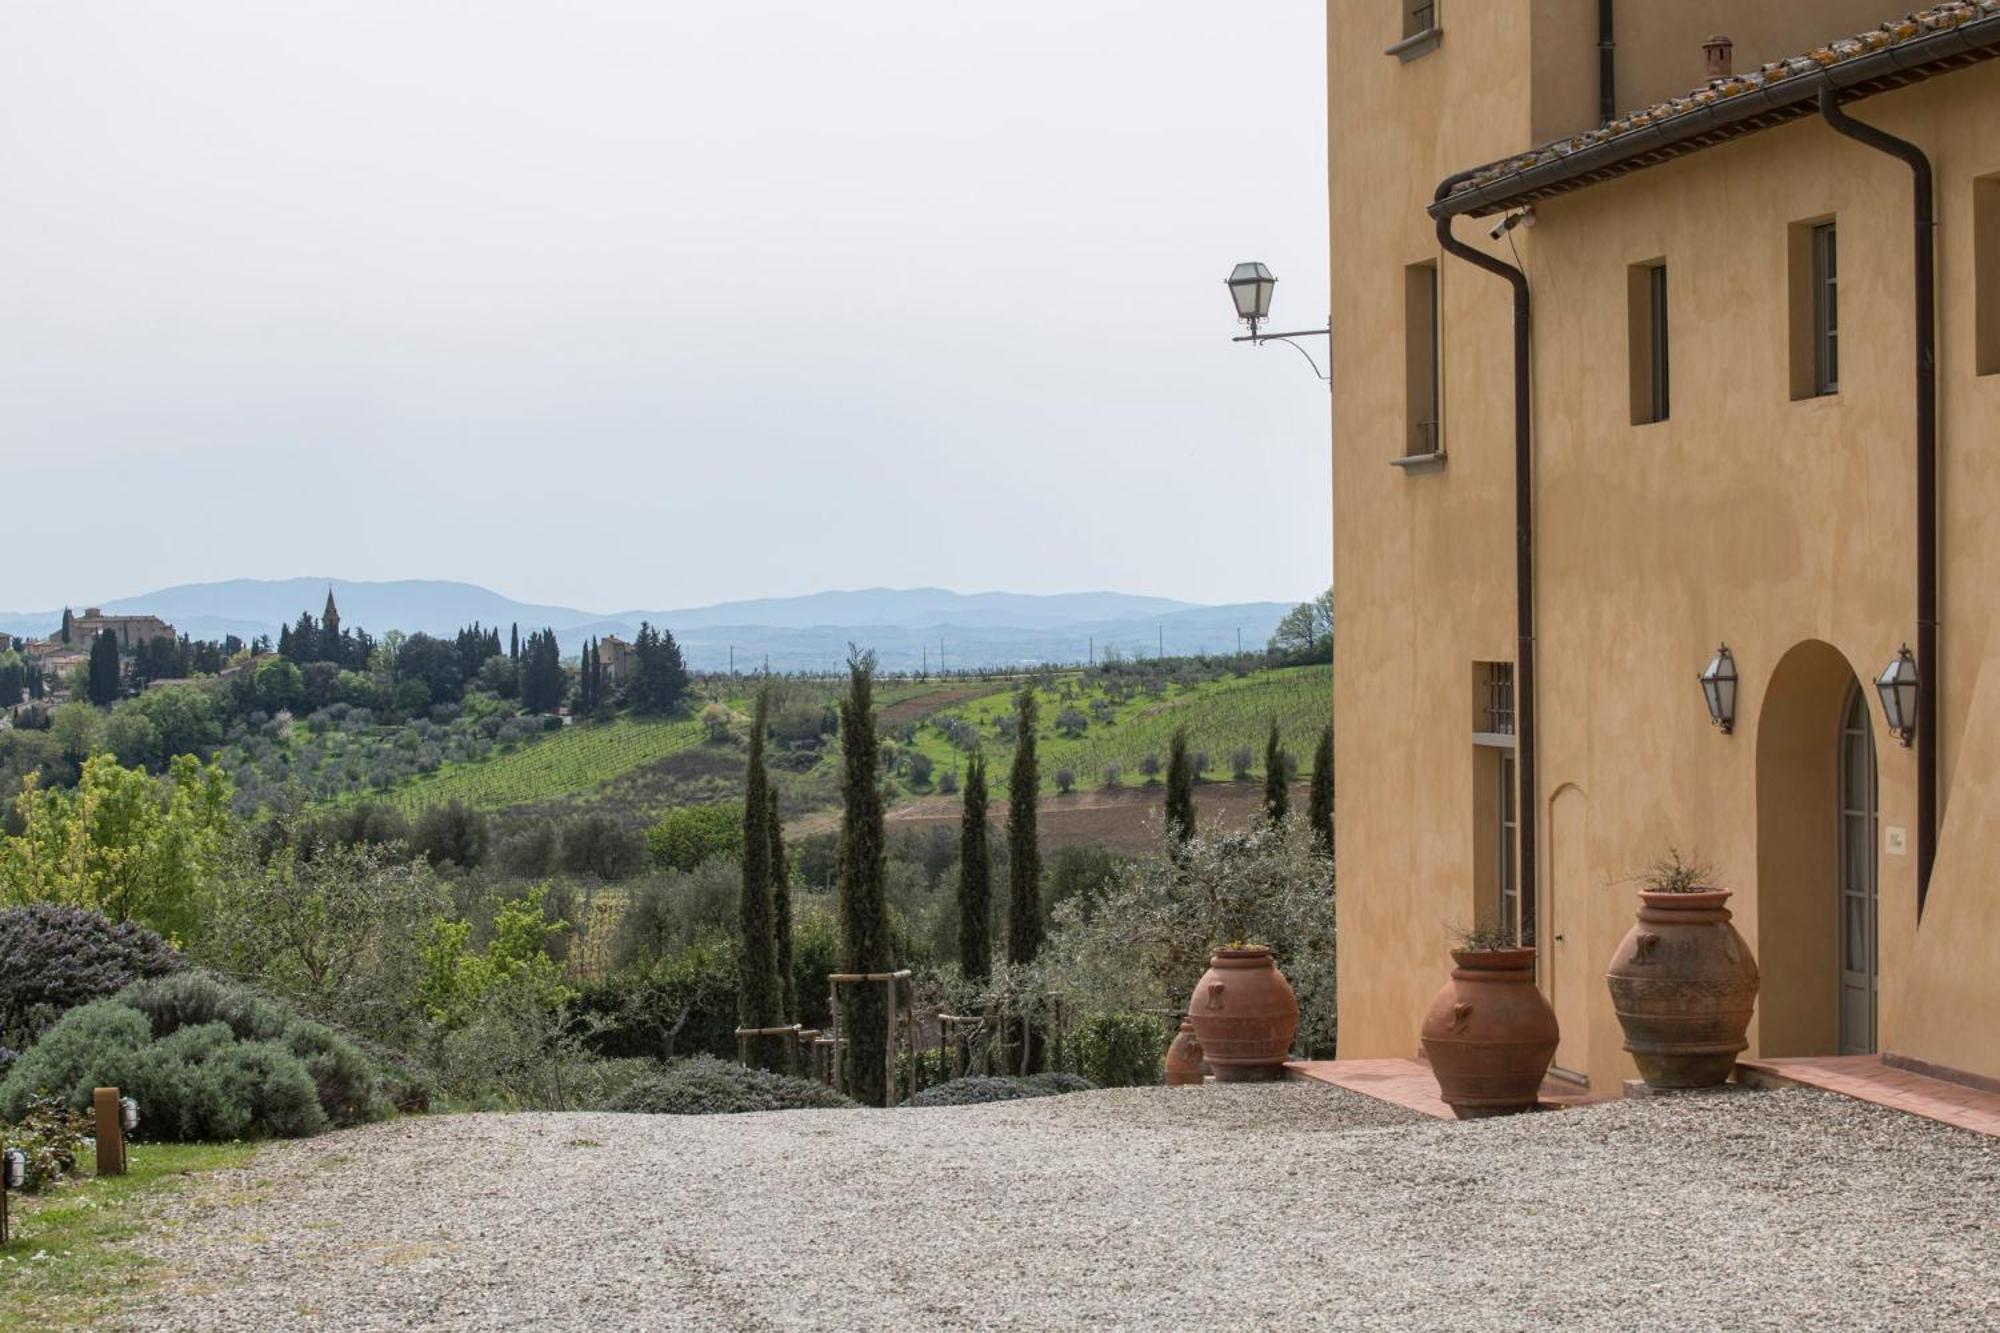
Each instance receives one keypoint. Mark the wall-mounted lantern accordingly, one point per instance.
(1718, 688)
(1898, 687)
(1250, 285)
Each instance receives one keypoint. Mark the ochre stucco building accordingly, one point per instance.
(1722, 441)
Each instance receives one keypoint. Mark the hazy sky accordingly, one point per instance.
(651, 303)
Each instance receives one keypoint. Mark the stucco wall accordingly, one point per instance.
(1746, 517)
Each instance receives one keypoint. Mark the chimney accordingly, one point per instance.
(1718, 49)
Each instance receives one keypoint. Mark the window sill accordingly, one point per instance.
(1415, 45)
(1432, 462)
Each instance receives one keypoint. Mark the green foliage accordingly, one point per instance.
(1116, 1050)
(1024, 855)
(1319, 803)
(1180, 788)
(121, 843)
(1306, 632)
(1277, 771)
(975, 878)
(451, 834)
(1144, 941)
(575, 760)
(759, 994)
(692, 834)
(48, 1132)
(104, 670)
(864, 916)
(704, 1085)
(337, 929)
(980, 1089)
(459, 980)
(680, 1005)
(659, 676)
(205, 1059)
(781, 916)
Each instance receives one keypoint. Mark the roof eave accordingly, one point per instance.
(1728, 118)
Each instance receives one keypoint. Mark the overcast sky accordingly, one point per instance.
(651, 303)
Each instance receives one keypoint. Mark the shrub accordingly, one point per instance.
(206, 1059)
(601, 846)
(1065, 781)
(705, 1085)
(678, 1006)
(53, 959)
(1143, 940)
(920, 768)
(452, 833)
(1240, 760)
(1113, 775)
(48, 1133)
(980, 1089)
(686, 838)
(1120, 1050)
(947, 783)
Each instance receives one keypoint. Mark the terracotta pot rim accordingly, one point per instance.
(1702, 901)
(1494, 960)
(1243, 954)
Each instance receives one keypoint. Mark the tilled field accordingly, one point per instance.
(1218, 1207)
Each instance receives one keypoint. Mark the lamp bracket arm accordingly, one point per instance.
(1288, 340)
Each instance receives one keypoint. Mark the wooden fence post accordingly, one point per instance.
(104, 1103)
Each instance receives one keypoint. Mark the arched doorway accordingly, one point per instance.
(1816, 849)
(1858, 814)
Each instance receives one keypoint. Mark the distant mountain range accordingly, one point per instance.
(907, 627)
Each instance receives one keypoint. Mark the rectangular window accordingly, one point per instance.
(1420, 359)
(1826, 309)
(1813, 297)
(1986, 272)
(1646, 340)
(1496, 825)
(1419, 17)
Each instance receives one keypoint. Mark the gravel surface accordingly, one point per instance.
(1216, 1207)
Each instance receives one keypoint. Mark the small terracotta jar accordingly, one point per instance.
(1489, 1034)
(1244, 1015)
(1683, 985)
(1184, 1058)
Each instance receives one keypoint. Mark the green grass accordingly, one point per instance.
(64, 1267)
(1220, 716)
(576, 759)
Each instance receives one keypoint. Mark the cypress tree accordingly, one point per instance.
(104, 668)
(864, 916)
(781, 916)
(1319, 804)
(514, 647)
(1024, 853)
(1180, 789)
(1277, 796)
(758, 1002)
(975, 879)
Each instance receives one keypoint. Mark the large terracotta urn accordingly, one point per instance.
(1489, 1034)
(1184, 1058)
(1244, 1015)
(1683, 984)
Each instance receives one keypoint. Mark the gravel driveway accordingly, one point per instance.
(1215, 1207)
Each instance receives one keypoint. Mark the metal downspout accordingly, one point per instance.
(1607, 66)
(1528, 802)
(1928, 664)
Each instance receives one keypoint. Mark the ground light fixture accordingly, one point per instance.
(14, 1163)
(1718, 688)
(128, 1113)
(1898, 687)
(1250, 285)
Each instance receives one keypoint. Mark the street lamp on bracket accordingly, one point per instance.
(1250, 285)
